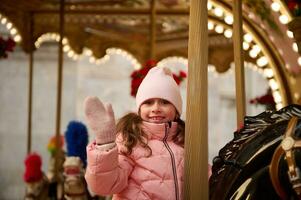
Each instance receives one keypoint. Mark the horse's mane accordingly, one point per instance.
(265, 128)
(267, 118)
(257, 124)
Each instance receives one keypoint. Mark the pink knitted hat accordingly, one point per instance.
(159, 83)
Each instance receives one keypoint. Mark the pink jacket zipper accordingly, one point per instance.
(173, 163)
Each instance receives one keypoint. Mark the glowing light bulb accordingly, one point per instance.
(290, 34)
(219, 29)
(268, 73)
(248, 37)
(273, 84)
(283, 19)
(295, 47)
(299, 61)
(245, 45)
(17, 38)
(209, 5)
(218, 12)
(210, 26)
(279, 106)
(275, 6)
(229, 19)
(262, 61)
(228, 33)
(277, 96)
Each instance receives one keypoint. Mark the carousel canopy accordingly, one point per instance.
(150, 29)
(132, 25)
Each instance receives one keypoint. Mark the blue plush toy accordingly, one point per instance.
(76, 137)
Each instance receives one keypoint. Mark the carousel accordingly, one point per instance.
(46, 46)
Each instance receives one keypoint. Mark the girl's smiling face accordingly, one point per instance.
(157, 111)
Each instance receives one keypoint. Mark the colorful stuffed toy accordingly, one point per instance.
(54, 176)
(75, 186)
(37, 184)
(76, 137)
(33, 172)
(51, 146)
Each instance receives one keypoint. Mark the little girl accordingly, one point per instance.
(143, 156)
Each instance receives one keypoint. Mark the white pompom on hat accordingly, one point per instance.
(159, 83)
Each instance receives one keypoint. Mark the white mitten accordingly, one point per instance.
(100, 119)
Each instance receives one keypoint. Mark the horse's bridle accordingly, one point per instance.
(287, 147)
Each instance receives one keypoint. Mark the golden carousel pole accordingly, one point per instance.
(196, 133)
(30, 80)
(152, 27)
(59, 87)
(239, 62)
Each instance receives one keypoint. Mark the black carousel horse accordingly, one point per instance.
(263, 159)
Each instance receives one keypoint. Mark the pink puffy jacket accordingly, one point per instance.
(137, 176)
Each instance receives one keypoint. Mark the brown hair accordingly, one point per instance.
(129, 126)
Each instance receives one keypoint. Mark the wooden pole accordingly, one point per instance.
(59, 87)
(239, 62)
(30, 80)
(196, 133)
(152, 27)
